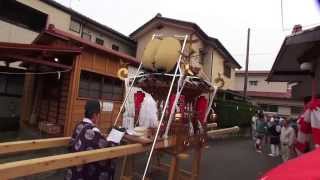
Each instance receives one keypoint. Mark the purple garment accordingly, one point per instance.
(87, 137)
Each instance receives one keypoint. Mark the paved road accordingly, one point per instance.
(235, 159)
(231, 159)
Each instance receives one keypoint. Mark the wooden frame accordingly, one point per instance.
(29, 145)
(33, 166)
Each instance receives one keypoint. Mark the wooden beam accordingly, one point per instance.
(29, 145)
(35, 61)
(295, 73)
(33, 166)
(5, 47)
(212, 125)
(223, 131)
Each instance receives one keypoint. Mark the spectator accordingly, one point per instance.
(274, 132)
(261, 127)
(287, 139)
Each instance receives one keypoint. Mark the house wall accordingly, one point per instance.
(218, 67)
(262, 86)
(61, 20)
(15, 34)
(284, 105)
(213, 61)
(286, 110)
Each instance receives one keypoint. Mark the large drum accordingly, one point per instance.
(161, 54)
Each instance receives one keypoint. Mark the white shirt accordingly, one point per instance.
(287, 135)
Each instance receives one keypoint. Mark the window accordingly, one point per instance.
(11, 85)
(115, 47)
(296, 110)
(97, 86)
(86, 34)
(75, 26)
(227, 70)
(269, 108)
(253, 83)
(99, 41)
(21, 15)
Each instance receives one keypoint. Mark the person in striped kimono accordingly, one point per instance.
(87, 136)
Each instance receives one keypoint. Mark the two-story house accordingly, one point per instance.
(52, 59)
(270, 96)
(214, 57)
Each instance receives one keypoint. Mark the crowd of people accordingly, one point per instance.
(278, 133)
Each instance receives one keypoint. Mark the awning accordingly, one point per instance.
(23, 56)
(296, 48)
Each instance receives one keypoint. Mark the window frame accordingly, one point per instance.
(225, 72)
(71, 29)
(99, 39)
(115, 47)
(102, 92)
(253, 82)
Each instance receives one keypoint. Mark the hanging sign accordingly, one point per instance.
(107, 106)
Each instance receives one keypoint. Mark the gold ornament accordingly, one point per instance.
(122, 73)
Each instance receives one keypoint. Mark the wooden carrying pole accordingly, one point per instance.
(29, 145)
(33, 166)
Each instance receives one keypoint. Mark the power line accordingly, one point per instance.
(282, 20)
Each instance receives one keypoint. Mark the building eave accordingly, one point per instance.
(70, 37)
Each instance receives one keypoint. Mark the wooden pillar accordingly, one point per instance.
(27, 99)
(72, 93)
(127, 168)
(174, 168)
(196, 163)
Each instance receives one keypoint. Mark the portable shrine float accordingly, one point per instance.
(175, 84)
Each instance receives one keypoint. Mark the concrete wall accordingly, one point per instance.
(15, 34)
(263, 86)
(284, 110)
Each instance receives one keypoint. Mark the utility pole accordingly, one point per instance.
(246, 70)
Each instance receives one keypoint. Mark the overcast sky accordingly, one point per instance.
(223, 19)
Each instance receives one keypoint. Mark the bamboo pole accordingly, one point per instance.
(223, 131)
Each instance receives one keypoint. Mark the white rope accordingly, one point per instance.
(175, 102)
(128, 93)
(164, 109)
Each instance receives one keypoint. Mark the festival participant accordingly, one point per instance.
(87, 136)
(260, 131)
(287, 139)
(274, 132)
